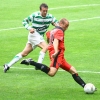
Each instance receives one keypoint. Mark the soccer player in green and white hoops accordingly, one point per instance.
(40, 22)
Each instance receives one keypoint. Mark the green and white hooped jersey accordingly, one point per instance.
(38, 22)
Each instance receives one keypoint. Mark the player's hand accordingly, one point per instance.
(32, 30)
(54, 55)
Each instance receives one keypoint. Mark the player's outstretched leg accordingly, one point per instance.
(6, 67)
(40, 66)
(78, 79)
(26, 61)
(13, 61)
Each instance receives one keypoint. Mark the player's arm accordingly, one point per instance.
(55, 24)
(26, 22)
(58, 36)
(54, 21)
(55, 44)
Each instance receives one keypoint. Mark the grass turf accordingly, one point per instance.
(82, 51)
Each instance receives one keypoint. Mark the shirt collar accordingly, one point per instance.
(58, 27)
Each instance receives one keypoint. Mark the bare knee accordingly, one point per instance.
(28, 48)
(43, 46)
(24, 54)
(51, 74)
(72, 70)
(44, 49)
(52, 71)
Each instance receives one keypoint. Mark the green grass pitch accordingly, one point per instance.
(82, 41)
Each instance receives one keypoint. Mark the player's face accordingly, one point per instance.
(44, 11)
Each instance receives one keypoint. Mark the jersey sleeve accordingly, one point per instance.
(59, 35)
(27, 20)
(54, 20)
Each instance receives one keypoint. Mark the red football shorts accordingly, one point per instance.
(59, 61)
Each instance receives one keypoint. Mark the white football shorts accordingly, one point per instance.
(35, 39)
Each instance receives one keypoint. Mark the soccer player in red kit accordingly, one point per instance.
(59, 61)
(56, 52)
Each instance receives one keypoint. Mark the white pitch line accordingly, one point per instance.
(89, 72)
(76, 20)
(77, 6)
(83, 19)
(88, 5)
(94, 72)
(11, 28)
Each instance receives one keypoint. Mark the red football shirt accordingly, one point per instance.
(58, 34)
(60, 61)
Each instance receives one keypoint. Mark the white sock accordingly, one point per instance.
(41, 57)
(15, 59)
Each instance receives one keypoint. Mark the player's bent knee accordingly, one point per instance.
(24, 54)
(72, 70)
(52, 71)
(45, 49)
(51, 74)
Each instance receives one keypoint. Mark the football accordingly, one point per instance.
(89, 88)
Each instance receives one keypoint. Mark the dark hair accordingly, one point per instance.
(43, 5)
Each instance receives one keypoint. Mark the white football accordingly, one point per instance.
(89, 88)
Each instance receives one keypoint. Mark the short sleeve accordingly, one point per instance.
(59, 35)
